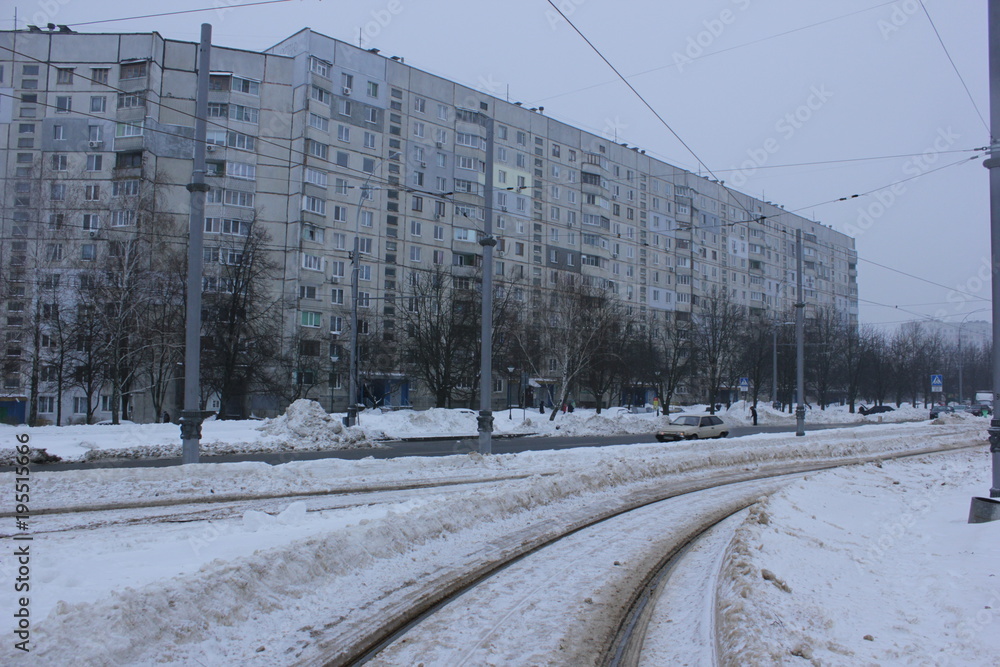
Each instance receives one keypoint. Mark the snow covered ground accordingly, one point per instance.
(860, 555)
(305, 426)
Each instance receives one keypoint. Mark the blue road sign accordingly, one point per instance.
(937, 380)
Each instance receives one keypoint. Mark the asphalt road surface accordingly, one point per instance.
(429, 447)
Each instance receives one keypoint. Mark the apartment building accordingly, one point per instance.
(316, 142)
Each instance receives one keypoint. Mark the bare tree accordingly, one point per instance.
(717, 323)
(570, 332)
(241, 327)
(439, 319)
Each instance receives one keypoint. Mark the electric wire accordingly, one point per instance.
(214, 8)
(720, 51)
(957, 72)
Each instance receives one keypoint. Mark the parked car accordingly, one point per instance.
(693, 427)
(980, 409)
(874, 410)
(938, 410)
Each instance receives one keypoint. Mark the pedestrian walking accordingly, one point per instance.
(753, 413)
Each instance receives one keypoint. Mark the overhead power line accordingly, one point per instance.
(214, 8)
(959, 74)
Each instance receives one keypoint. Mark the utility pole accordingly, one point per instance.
(800, 307)
(984, 509)
(191, 415)
(485, 419)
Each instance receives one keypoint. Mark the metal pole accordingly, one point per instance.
(961, 392)
(800, 306)
(993, 164)
(191, 415)
(485, 419)
(774, 367)
(352, 384)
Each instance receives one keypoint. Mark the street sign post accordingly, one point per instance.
(744, 384)
(937, 383)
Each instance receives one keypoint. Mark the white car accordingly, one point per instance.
(693, 427)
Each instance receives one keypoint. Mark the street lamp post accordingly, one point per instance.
(354, 379)
(800, 307)
(487, 241)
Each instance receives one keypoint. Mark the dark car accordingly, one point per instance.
(980, 410)
(939, 410)
(874, 410)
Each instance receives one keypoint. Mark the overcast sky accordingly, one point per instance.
(748, 85)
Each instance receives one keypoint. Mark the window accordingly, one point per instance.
(57, 192)
(311, 318)
(248, 86)
(344, 133)
(95, 133)
(312, 262)
(320, 95)
(59, 132)
(414, 253)
(242, 113)
(418, 129)
(372, 89)
(417, 203)
(133, 129)
(319, 122)
(415, 227)
(345, 107)
(99, 74)
(318, 177)
(80, 405)
(59, 162)
(365, 272)
(88, 252)
(92, 192)
(371, 115)
(91, 222)
(124, 218)
(125, 188)
(321, 151)
(419, 105)
(369, 140)
(95, 162)
(131, 100)
(133, 70)
(314, 205)
(128, 160)
(347, 80)
(64, 75)
(320, 67)
(64, 104)
(241, 170)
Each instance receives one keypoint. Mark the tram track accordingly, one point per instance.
(365, 638)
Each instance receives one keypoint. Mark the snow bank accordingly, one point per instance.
(872, 565)
(157, 619)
